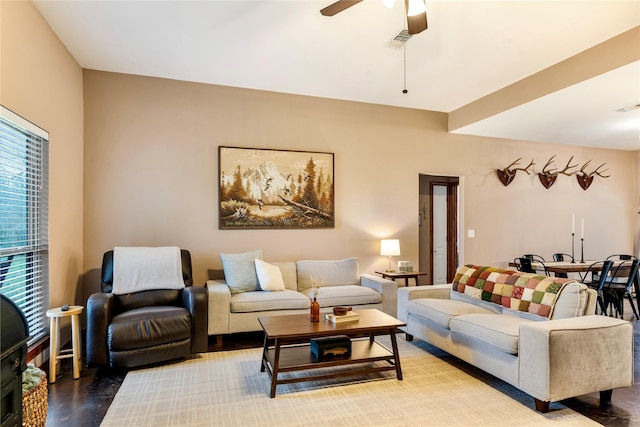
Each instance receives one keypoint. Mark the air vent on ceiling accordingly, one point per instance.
(398, 41)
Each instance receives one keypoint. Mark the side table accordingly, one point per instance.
(406, 275)
(55, 353)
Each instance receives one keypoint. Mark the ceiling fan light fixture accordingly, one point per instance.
(416, 7)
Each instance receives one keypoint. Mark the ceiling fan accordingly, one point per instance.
(416, 12)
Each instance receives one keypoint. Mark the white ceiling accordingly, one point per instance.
(471, 49)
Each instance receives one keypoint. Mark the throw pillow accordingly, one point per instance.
(240, 271)
(269, 276)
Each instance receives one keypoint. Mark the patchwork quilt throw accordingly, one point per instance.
(515, 290)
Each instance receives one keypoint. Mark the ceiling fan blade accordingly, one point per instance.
(417, 24)
(338, 7)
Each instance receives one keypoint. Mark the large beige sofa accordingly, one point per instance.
(340, 284)
(537, 333)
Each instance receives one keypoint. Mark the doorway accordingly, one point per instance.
(438, 227)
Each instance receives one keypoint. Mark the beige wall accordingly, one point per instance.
(41, 81)
(151, 177)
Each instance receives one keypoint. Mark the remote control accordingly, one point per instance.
(65, 307)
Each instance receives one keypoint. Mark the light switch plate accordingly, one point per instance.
(471, 234)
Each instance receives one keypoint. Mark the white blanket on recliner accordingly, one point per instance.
(138, 269)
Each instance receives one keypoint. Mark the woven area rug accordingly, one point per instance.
(228, 389)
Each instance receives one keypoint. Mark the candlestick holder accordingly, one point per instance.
(582, 250)
(573, 238)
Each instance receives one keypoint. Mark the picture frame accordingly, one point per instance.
(262, 188)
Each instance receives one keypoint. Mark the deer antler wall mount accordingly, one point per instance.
(548, 177)
(549, 174)
(507, 174)
(585, 179)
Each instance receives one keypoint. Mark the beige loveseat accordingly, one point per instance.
(232, 311)
(537, 333)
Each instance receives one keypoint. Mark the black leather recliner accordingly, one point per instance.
(142, 328)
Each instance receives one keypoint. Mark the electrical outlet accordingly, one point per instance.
(471, 234)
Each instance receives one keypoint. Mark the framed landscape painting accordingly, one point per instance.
(262, 188)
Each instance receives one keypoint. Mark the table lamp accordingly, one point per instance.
(390, 248)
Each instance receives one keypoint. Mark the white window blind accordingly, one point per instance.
(24, 219)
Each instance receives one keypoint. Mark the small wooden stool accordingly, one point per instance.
(55, 353)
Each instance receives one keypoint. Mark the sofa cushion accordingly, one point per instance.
(289, 276)
(266, 301)
(481, 303)
(148, 327)
(240, 271)
(330, 296)
(442, 311)
(328, 273)
(571, 301)
(269, 276)
(498, 331)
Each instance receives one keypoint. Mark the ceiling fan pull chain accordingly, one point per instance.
(404, 50)
(404, 53)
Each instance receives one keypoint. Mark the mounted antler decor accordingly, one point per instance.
(585, 179)
(507, 174)
(548, 178)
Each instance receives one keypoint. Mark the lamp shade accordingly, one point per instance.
(390, 247)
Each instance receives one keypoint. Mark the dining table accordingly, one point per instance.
(562, 266)
(566, 266)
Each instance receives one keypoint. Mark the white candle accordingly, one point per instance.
(573, 223)
(583, 228)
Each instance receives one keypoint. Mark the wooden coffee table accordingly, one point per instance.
(286, 346)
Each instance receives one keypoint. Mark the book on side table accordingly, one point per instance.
(351, 316)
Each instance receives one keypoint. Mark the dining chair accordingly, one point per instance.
(538, 259)
(560, 257)
(622, 257)
(534, 257)
(619, 285)
(621, 278)
(599, 272)
(525, 265)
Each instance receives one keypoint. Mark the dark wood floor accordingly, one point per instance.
(85, 401)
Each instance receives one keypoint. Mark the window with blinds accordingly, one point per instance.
(24, 208)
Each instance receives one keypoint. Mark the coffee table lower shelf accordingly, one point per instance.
(290, 358)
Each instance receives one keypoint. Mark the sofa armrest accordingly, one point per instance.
(409, 293)
(219, 307)
(195, 299)
(387, 288)
(99, 314)
(570, 357)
